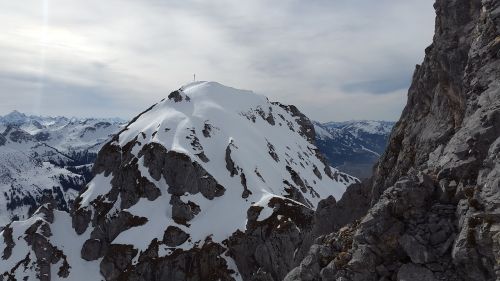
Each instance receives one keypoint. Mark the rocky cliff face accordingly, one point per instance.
(435, 197)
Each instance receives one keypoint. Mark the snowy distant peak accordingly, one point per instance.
(64, 134)
(362, 126)
(19, 118)
(26, 180)
(46, 157)
(353, 146)
(322, 132)
(15, 117)
(370, 127)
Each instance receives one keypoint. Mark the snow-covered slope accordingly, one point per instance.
(194, 188)
(353, 146)
(45, 158)
(217, 127)
(26, 182)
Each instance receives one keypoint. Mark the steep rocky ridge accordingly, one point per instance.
(435, 194)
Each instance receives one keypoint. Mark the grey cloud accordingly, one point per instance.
(384, 86)
(116, 57)
(43, 95)
(29, 78)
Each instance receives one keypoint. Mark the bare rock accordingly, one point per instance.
(117, 260)
(417, 252)
(269, 245)
(9, 242)
(203, 263)
(413, 272)
(174, 236)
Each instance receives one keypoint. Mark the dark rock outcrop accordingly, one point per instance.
(306, 126)
(174, 236)
(230, 166)
(331, 215)
(180, 172)
(9, 242)
(203, 263)
(267, 247)
(108, 230)
(178, 96)
(117, 261)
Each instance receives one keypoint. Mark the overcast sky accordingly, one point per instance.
(334, 59)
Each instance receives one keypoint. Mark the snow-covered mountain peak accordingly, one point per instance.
(207, 172)
(210, 173)
(216, 91)
(242, 140)
(205, 96)
(15, 117)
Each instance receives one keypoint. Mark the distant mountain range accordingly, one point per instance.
(46, 159)
(353, 146)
